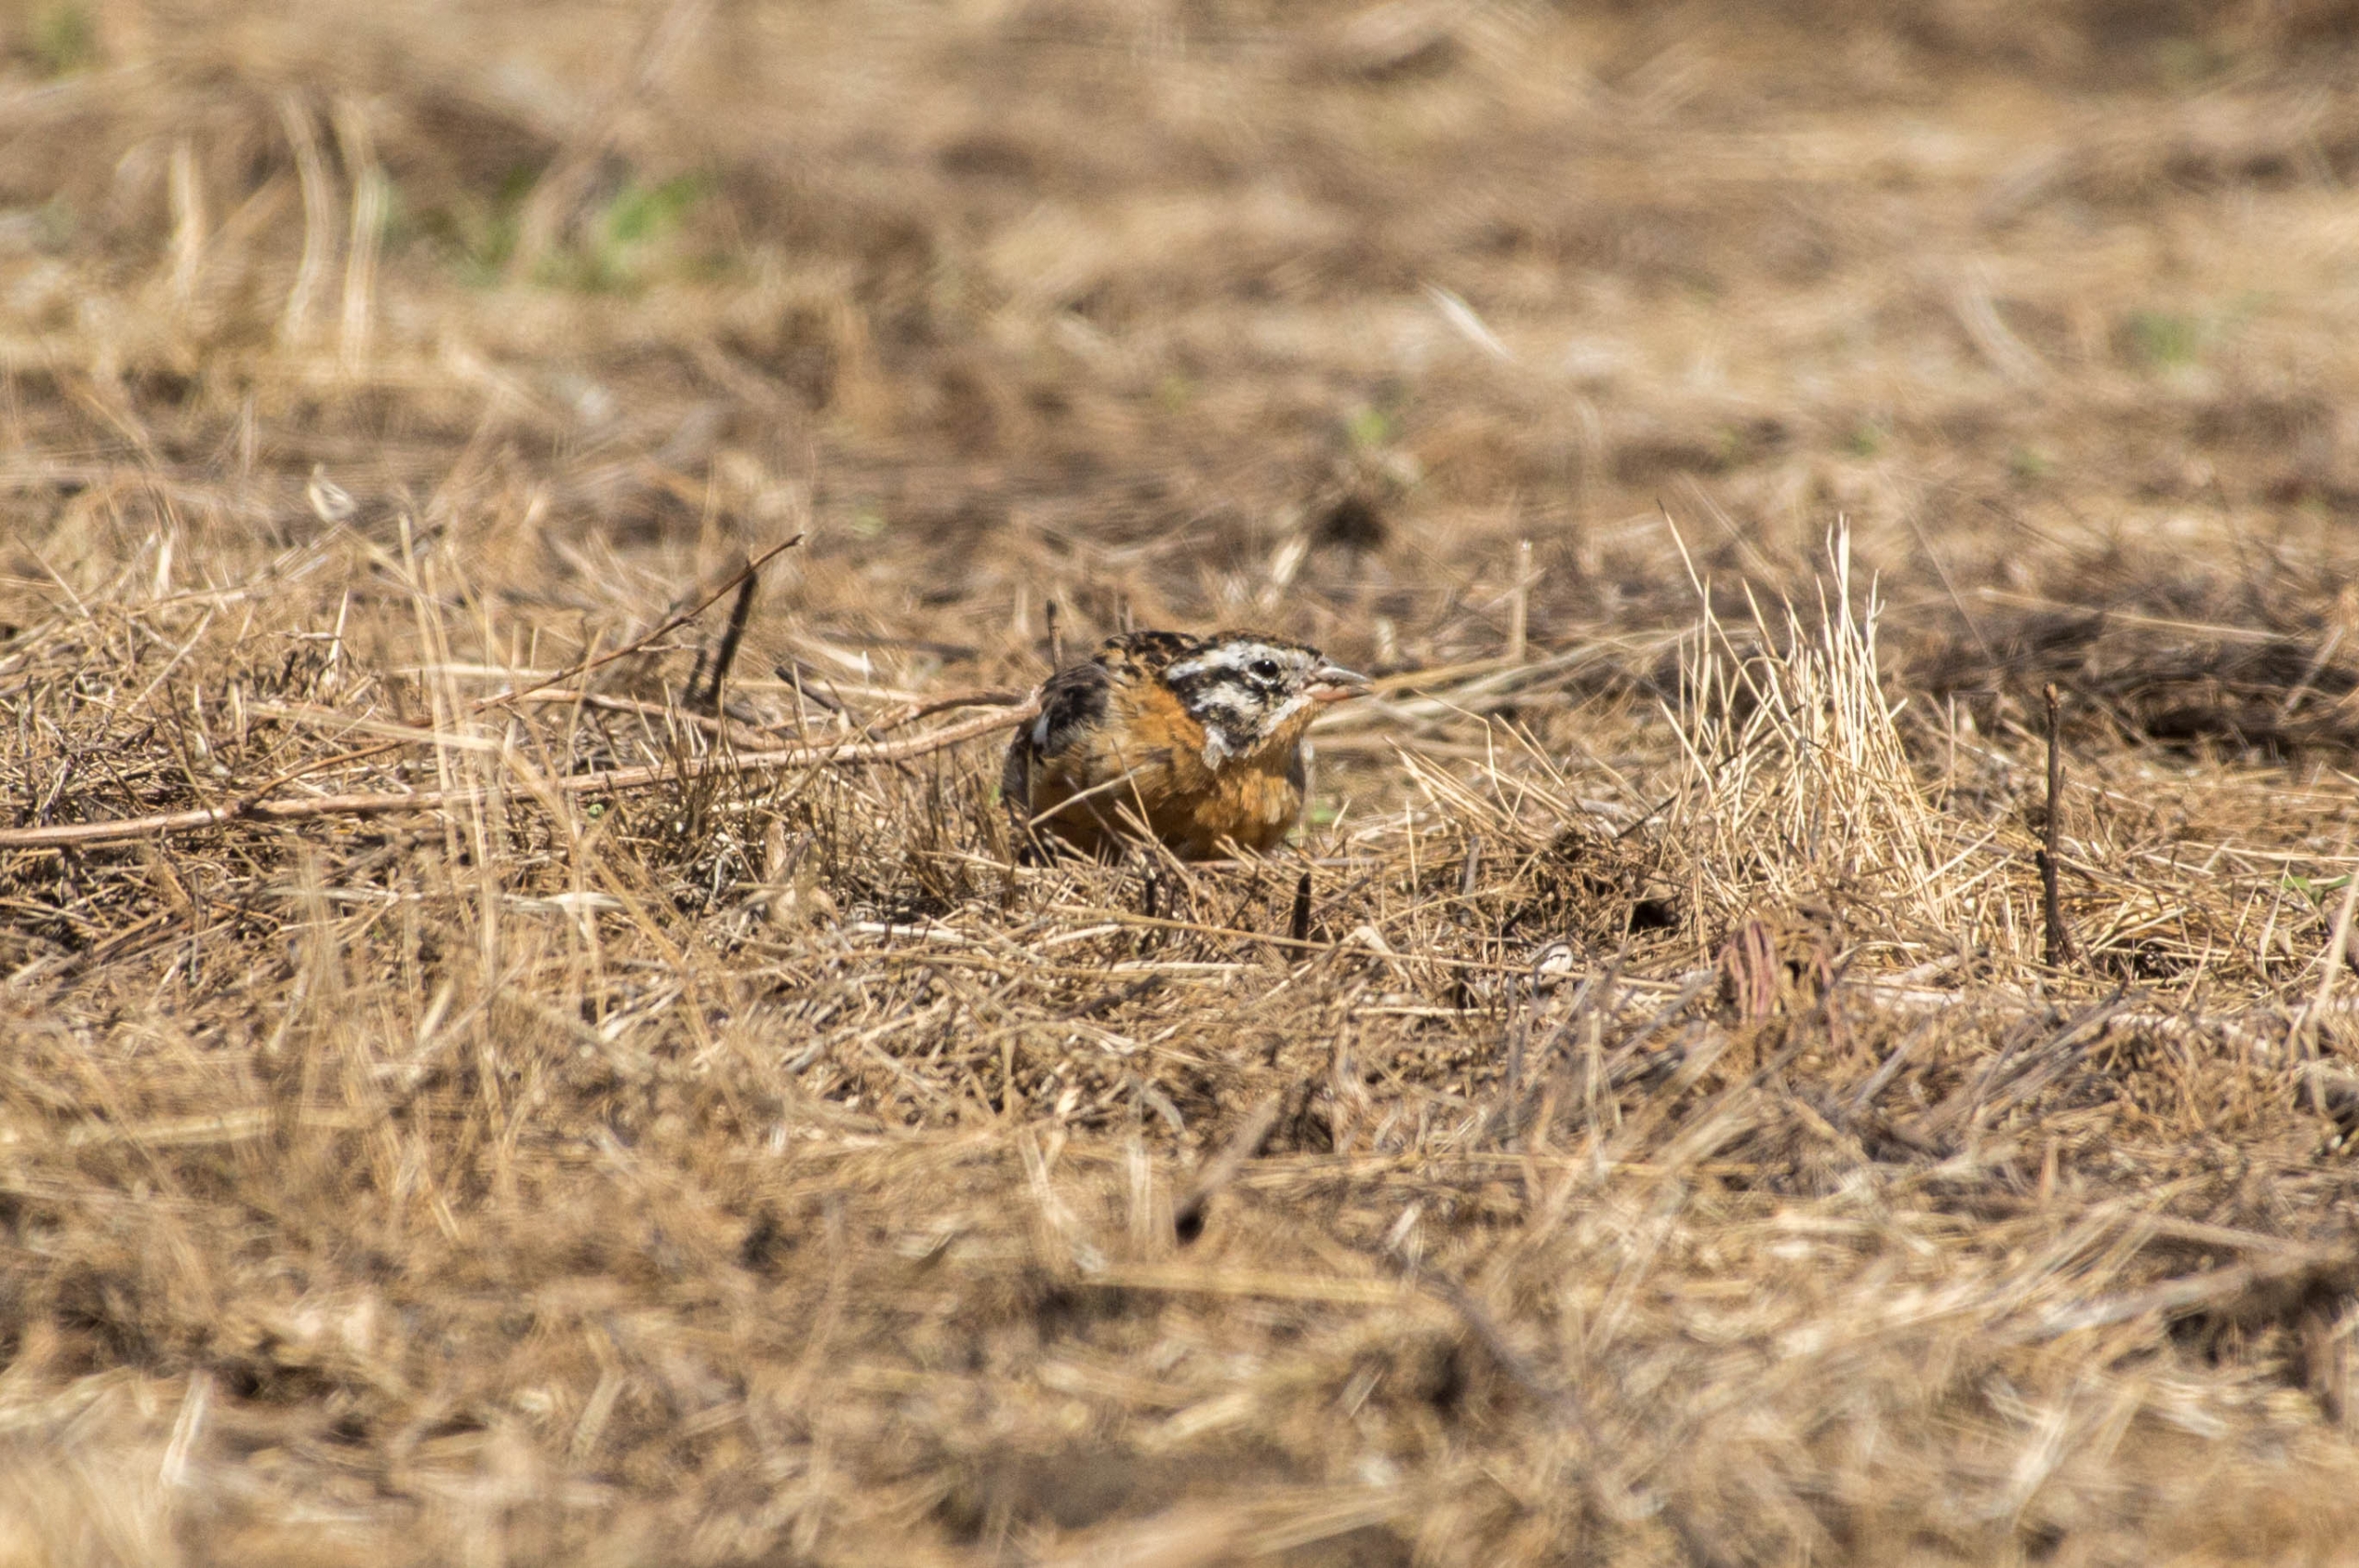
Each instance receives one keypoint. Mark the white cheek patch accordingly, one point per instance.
(1216, 749)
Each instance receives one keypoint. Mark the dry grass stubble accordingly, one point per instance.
(1664, 1141)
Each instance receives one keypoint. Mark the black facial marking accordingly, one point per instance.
(1218, 697)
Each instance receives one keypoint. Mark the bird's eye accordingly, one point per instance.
(1263, 668)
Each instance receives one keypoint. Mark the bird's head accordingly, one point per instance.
(1253, 693)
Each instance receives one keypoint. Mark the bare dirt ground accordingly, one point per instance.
(1668, 1129)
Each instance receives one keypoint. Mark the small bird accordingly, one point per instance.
(1198, 739)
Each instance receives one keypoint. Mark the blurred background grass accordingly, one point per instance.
(1044, 286)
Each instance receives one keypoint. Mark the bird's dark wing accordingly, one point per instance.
(1151, 650)
(1015, 775)
(1072, 701)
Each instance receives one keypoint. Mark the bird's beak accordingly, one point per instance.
(1332, 683)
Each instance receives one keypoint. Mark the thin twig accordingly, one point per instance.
(1519, 603)
(1188, 1217)
(739, 613)
(2330, 971)
(607, 781)
(988, 697)
(743, 574)
(2059, 948)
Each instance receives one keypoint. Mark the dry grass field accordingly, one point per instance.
(567, 1083)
